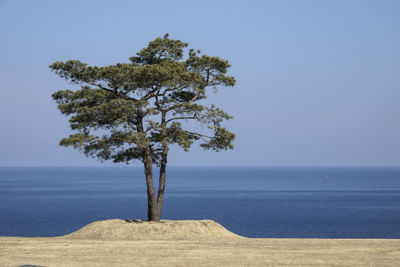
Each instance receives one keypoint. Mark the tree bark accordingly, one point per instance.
(162, 178)
(153, 213)
(152, 208)
(155, 201)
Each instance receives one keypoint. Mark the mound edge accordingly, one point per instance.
(117, 229)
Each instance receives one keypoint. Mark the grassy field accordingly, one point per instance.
(221, 251)
(15, 251)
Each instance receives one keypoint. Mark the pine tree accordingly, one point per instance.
(135, 111)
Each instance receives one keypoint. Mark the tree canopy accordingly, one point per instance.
(106, 112)
(134, 111)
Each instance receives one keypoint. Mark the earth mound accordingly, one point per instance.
(117, 229)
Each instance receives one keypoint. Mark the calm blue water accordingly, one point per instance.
(253, 202)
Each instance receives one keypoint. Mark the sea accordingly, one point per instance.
(258, 202)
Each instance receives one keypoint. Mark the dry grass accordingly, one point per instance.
(222, 248)
(143, 230)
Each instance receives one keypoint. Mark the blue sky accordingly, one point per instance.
(317, 81)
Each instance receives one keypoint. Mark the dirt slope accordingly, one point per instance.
(117, 229)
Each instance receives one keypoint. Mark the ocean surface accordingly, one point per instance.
(318, 202)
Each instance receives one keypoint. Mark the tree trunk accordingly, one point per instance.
(155, 202)
(163, 168)
(153, 213)
(162, 178)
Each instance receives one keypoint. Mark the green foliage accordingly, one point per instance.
(124, 110)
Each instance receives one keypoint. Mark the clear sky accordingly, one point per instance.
(317, 81)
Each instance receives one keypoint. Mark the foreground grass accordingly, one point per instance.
(59, 251)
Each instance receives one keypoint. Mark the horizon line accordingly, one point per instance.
(203, 166)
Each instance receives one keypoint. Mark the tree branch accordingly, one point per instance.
(194, 98)
(115, 92)
(151, 93)
(199, 134)
(181, 118)
(165, 91)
